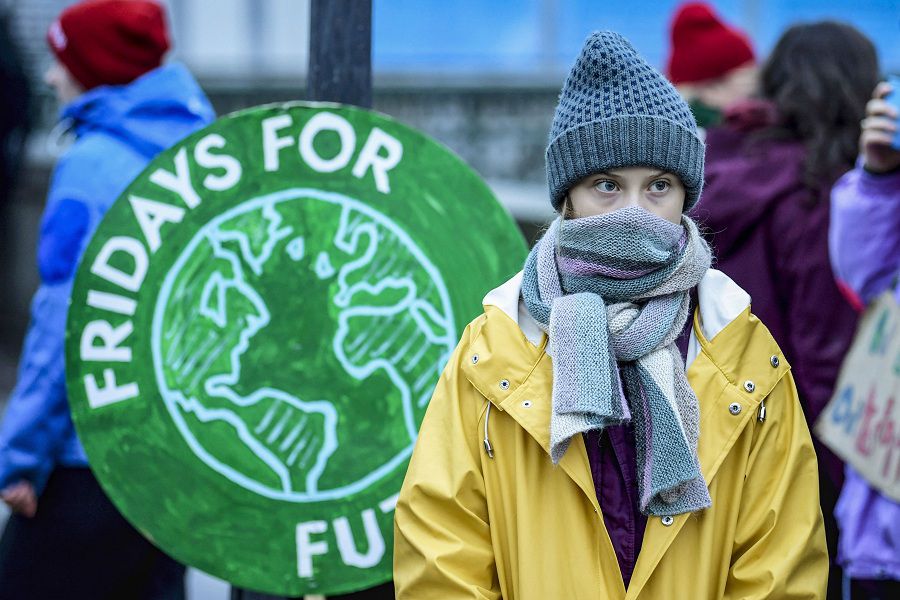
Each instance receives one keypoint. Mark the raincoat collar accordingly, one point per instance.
(512, 362)
(721, 301)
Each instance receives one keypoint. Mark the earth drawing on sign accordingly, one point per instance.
(262, 385)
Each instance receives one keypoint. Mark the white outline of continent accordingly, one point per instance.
(220, 385)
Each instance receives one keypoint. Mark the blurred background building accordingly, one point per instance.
(482, 76)
(479, 75)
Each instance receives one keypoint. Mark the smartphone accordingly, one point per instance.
(893, 98)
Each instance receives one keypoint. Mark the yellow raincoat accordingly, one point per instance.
(513, 526)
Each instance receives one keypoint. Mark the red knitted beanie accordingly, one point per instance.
(109, 42)
(703, 46)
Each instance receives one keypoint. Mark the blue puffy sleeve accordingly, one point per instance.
(37, 423)
(37, 420)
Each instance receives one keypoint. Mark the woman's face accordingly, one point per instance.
(655, 191)
(62, 82)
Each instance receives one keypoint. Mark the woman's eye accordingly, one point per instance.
(606, 186)
(659, 186)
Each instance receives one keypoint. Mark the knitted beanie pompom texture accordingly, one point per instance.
(617, 111)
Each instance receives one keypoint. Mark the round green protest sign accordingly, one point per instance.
(256, 329)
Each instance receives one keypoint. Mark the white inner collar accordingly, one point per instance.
(720, 299)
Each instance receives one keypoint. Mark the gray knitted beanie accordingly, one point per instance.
(615, 111)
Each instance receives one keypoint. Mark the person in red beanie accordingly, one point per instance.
(711, 63)
(65, 539)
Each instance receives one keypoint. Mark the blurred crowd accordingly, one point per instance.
(801, 206)
(798, 151)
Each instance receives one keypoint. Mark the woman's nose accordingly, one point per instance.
(632, 198)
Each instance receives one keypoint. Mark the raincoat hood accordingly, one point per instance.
(148, 114)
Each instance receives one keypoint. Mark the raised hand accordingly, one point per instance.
(878, 131)
(21, 498)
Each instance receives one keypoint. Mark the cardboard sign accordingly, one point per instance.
(256, 330)
(861, 424)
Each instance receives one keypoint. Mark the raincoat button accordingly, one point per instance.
(667, 520)
(527, 404)
(734, 408)
(775, 362)
(749, 386)
(504, 384)
(474, 359)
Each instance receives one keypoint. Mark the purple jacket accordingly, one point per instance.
(769, 233)
(865, 252)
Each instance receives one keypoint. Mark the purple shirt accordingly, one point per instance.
(613, 460)
(613, 466)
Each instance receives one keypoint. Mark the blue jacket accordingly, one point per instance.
(118, 131)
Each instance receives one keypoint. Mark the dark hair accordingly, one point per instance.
(820, 77)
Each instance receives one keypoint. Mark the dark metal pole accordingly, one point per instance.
(340, 51)
(340, 70)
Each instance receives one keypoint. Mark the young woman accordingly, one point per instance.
(769, 171)
(588, 435)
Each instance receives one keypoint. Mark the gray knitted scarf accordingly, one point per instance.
(613, 294)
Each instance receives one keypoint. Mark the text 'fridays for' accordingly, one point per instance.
(101, 341)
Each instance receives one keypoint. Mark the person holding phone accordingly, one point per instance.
(865, 252)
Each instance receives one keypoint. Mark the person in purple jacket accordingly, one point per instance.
(865, 252)
(769, 170)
